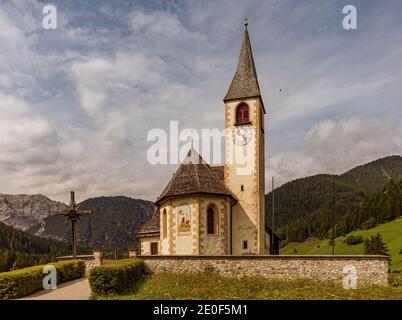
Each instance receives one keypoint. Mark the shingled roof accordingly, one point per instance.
(151, 227)
(195, 176)
(245, 81)
(219, 172)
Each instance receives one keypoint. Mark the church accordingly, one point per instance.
(219, 210)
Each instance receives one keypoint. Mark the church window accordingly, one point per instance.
(245, 245)
(164, 224)
(242, 187)
(212, 220)
(242, 113)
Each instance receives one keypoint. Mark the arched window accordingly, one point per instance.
(164, 224)
(242, 113)
(212, 220)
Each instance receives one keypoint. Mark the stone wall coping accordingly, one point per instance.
(80, 257)
(265, 257)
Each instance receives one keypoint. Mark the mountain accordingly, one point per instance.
(114, 224)
(24, 211)
(374, 175)
(20, 249)
(303, 207)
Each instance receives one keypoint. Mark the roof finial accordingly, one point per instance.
(190, 137)
(246, 22)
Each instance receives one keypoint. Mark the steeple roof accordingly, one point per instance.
(195, 176)
(245, 82)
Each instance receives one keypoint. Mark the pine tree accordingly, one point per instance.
(375, 245)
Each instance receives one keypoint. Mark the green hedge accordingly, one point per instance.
(116, 277)
(22, 282)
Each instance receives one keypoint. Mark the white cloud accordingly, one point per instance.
(76, 103)
(11, 106)
(89, 76)
(341, 145)
(25, 140)
(337, 146)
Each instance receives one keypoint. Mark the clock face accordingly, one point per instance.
(242, 135)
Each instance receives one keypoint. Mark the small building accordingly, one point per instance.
(149, 235)
(219, 210)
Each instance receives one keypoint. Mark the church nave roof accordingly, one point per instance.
(195, 176)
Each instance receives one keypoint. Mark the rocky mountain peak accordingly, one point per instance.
(23, 211)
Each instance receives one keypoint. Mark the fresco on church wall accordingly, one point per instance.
(184, 219)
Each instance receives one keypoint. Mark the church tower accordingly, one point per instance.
(219, 210)
(244, 156)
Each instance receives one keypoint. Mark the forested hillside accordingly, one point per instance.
(378, 208)
(20, 249)
(390, 231)
(303, 207)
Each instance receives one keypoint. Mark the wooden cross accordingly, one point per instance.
(73, 212)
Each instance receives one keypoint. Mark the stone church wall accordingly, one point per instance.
(371, 270)
(181, 240)
(216, 244)
(146, 244)
(194, 241)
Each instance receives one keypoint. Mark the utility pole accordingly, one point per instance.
(273, 216)
(333, 215)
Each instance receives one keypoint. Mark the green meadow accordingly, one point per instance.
(210, 286)
(392, 236)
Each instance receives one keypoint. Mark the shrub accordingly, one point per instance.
(395, 279)
(116, 277)
(22, 282)
(353, 240)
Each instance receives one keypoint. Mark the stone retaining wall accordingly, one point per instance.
(90, 260)
(370, 270)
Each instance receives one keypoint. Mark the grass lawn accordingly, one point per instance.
(391, 232)
(209, 286)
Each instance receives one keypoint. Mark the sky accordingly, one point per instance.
(77, 102)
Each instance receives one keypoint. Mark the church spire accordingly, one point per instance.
(245, 82)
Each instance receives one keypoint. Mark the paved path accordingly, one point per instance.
(73, 290)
